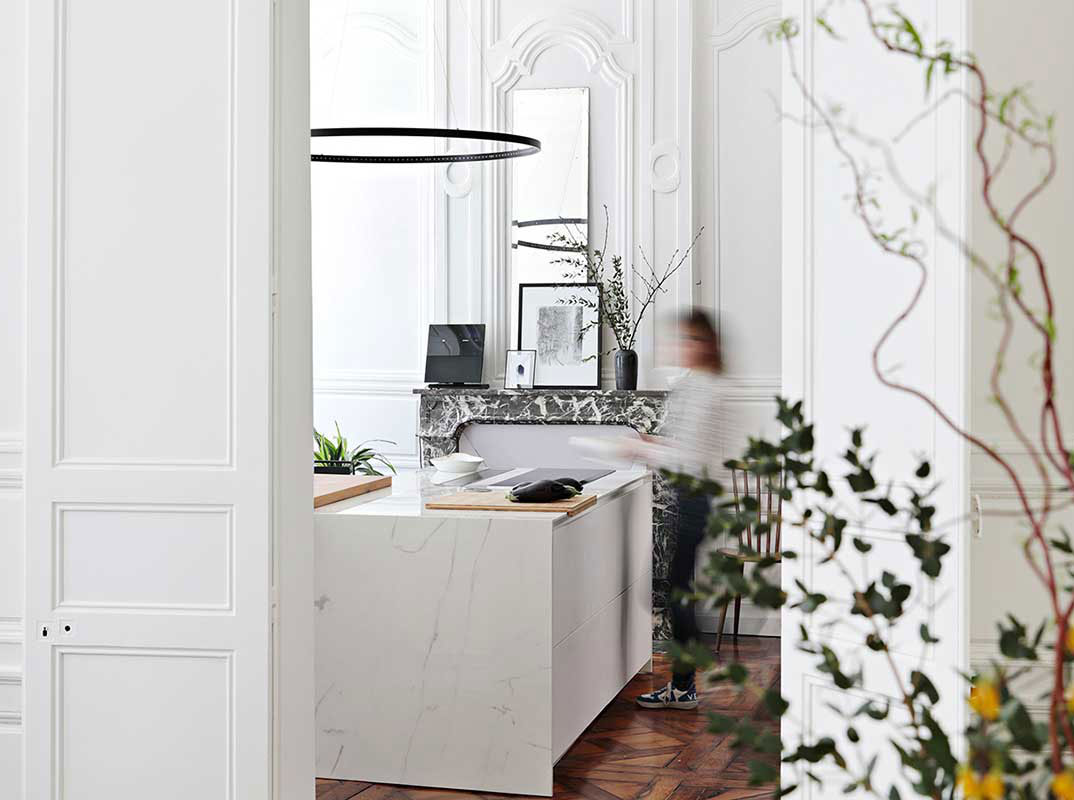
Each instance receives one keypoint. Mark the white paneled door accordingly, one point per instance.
(839, 295)
(155, 227)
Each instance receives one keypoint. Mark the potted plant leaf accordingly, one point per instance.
(333, 456)
(616, 310)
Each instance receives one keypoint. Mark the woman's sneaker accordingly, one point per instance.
(670, 697)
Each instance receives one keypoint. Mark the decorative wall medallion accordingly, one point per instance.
(458, 179)
(664, 166)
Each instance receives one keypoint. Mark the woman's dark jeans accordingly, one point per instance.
(693, 517)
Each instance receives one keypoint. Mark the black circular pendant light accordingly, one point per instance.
(496, 145)
(359, 145)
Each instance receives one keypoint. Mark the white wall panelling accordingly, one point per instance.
(736, 175)
(738, 167)
(1039, 58)
(654, 162)
(168, 365)
(580, 53)
(455, 62)
(200, 684)
(12, 363)
(187, 553)
(378, 230)
(645, 72)
(835, 281)
(96, 421)
(11, 635)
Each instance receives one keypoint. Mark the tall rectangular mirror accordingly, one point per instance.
(550, 191)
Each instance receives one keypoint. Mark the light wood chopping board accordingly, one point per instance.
(497, 501)
(333, 488)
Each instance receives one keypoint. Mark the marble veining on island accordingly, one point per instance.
(469, 649)
(443, 413)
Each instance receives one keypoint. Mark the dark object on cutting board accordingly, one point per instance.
(570, 482)
(542, 492)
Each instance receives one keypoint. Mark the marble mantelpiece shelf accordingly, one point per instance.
(564, 392)
(444, 412)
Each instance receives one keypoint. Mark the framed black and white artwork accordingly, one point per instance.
(561, 322)
(518, 371)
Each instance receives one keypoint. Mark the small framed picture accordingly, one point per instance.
(518, 371)
(561, 321)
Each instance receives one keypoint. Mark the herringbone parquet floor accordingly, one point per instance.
(631, 754)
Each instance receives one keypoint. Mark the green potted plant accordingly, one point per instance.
(333, 456)
(615, 308)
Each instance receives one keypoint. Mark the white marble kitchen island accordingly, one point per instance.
(469, 649)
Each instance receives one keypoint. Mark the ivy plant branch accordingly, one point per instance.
(882, 604)
(1009, 754)
(903, 38)
(900, 36)
(899, 244)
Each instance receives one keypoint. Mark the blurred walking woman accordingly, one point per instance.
(692, 442)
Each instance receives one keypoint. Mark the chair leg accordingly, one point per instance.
(738, 601)
(738, 607)
(719, 630)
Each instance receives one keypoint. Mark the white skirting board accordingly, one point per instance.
(752, 621)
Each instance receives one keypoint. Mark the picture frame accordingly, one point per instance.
(562, 323)
(518, 369)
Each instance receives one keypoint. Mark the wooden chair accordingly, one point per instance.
(755, 542)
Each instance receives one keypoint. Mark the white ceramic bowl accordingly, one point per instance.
(458, 463)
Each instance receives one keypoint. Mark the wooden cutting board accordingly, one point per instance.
(333, 488)
(497, 501)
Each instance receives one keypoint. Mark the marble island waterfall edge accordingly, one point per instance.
(443, 413)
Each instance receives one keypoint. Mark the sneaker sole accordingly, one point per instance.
(688, 705)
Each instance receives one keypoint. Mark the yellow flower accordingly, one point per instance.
(984, 700)
(1070, 640)
(991, 787)
(1070, 701)
(1063, 785)
(968, 784)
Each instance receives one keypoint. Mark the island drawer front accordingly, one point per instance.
(592, 665)
(597, 555)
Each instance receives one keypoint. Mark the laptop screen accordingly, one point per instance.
(455, 354)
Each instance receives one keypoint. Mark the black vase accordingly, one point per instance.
(626, 369)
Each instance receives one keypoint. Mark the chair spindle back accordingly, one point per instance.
(754, 532)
